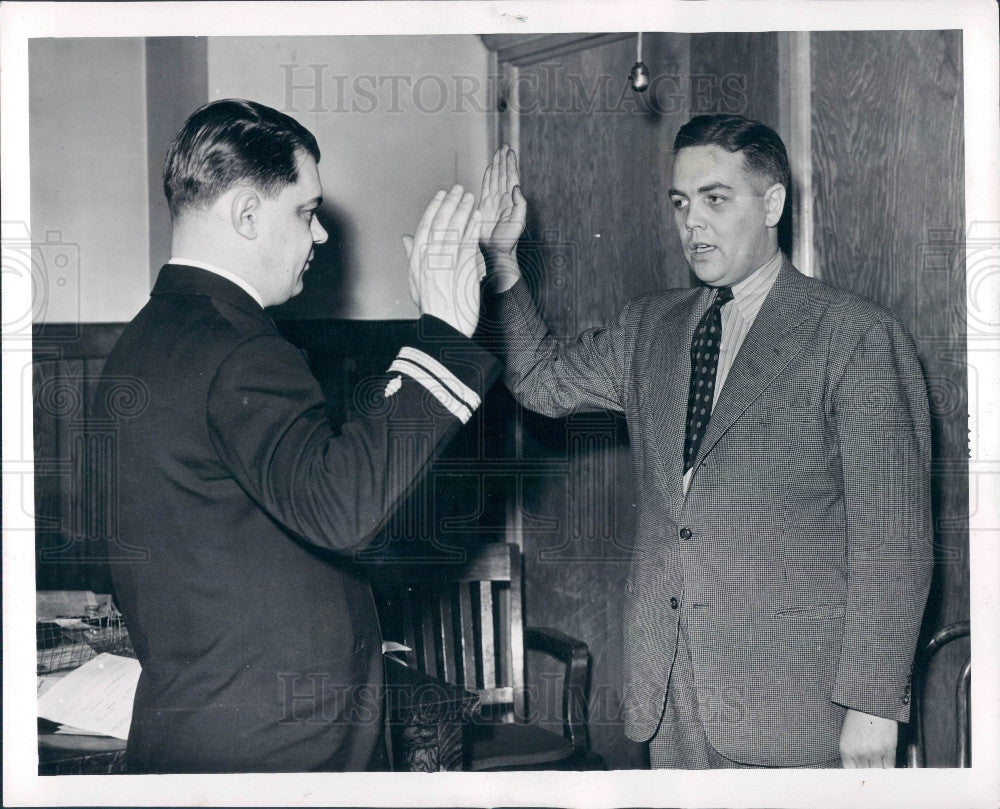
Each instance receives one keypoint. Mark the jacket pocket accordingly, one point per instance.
(813, 611)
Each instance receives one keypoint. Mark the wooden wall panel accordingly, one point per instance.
(596, 160)
(595, 164)
(888, 174)
(462, 497)
(74, 505)
(735, 73)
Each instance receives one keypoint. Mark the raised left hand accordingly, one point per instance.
(868, 741)
(444, 261)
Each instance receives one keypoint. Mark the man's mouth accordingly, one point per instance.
(699, 248)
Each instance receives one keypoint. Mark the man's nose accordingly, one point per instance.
(319, 233)
(693, 219)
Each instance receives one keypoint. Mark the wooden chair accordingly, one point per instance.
(915, 752)
(462, 622)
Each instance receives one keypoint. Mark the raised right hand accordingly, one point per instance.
(503, 211)
(444, 264)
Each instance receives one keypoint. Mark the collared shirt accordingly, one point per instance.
(242, 283)
(737, 317)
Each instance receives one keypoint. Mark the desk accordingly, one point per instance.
(61, 754)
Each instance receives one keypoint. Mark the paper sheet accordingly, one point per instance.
(46, 681)
(97, 696)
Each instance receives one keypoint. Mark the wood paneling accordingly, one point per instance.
(596, 159)
(529, 49)
(463, 496)
(888, 174)
(735, 73)
(74, 460)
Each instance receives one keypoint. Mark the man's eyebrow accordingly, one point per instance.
(714, 187)
(673, 192)
(314, 201)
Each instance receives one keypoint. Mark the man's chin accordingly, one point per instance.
(707, 271)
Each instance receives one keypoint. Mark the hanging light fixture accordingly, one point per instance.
(639, 77)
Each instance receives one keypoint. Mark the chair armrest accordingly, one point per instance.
(915, 746)
(575, 655)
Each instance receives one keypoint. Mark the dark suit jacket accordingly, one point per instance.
(801, 554)
(259, 641)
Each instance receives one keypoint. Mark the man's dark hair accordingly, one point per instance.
(762, 149)
(228, 142)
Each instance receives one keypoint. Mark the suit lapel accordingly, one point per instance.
(769, 346)
(672, 347)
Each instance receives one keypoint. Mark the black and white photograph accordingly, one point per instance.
(491, 404)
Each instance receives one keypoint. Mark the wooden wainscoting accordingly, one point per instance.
(464, 494)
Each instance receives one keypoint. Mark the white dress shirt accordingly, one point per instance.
(242, 283)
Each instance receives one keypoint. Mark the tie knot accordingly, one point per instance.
(723, 296)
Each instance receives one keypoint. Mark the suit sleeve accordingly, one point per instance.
(554, 379)
(268, 423)
(881, 411)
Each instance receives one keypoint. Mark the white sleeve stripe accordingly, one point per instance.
(454, 405)
(446, 377)
(438, 379)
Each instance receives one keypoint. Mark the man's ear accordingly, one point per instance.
(244, 213)
(774, 204)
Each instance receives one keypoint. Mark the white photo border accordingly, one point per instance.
(835, 788)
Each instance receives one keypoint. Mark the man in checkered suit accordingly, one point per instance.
(783, 553)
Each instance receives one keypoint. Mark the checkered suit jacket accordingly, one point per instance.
(801, 555)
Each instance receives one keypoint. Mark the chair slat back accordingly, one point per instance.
(449, 669)
(487, 647)
(462, 621)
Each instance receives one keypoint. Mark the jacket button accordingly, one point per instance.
(674, 603)
(685, 533)
(906, 699)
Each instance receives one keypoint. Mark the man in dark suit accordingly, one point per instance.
(781, 441)
(258, 639)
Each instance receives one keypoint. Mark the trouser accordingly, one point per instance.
(680, 742)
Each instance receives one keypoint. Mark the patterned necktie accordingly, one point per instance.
(704, 362)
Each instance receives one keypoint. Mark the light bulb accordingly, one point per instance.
(639, 77)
